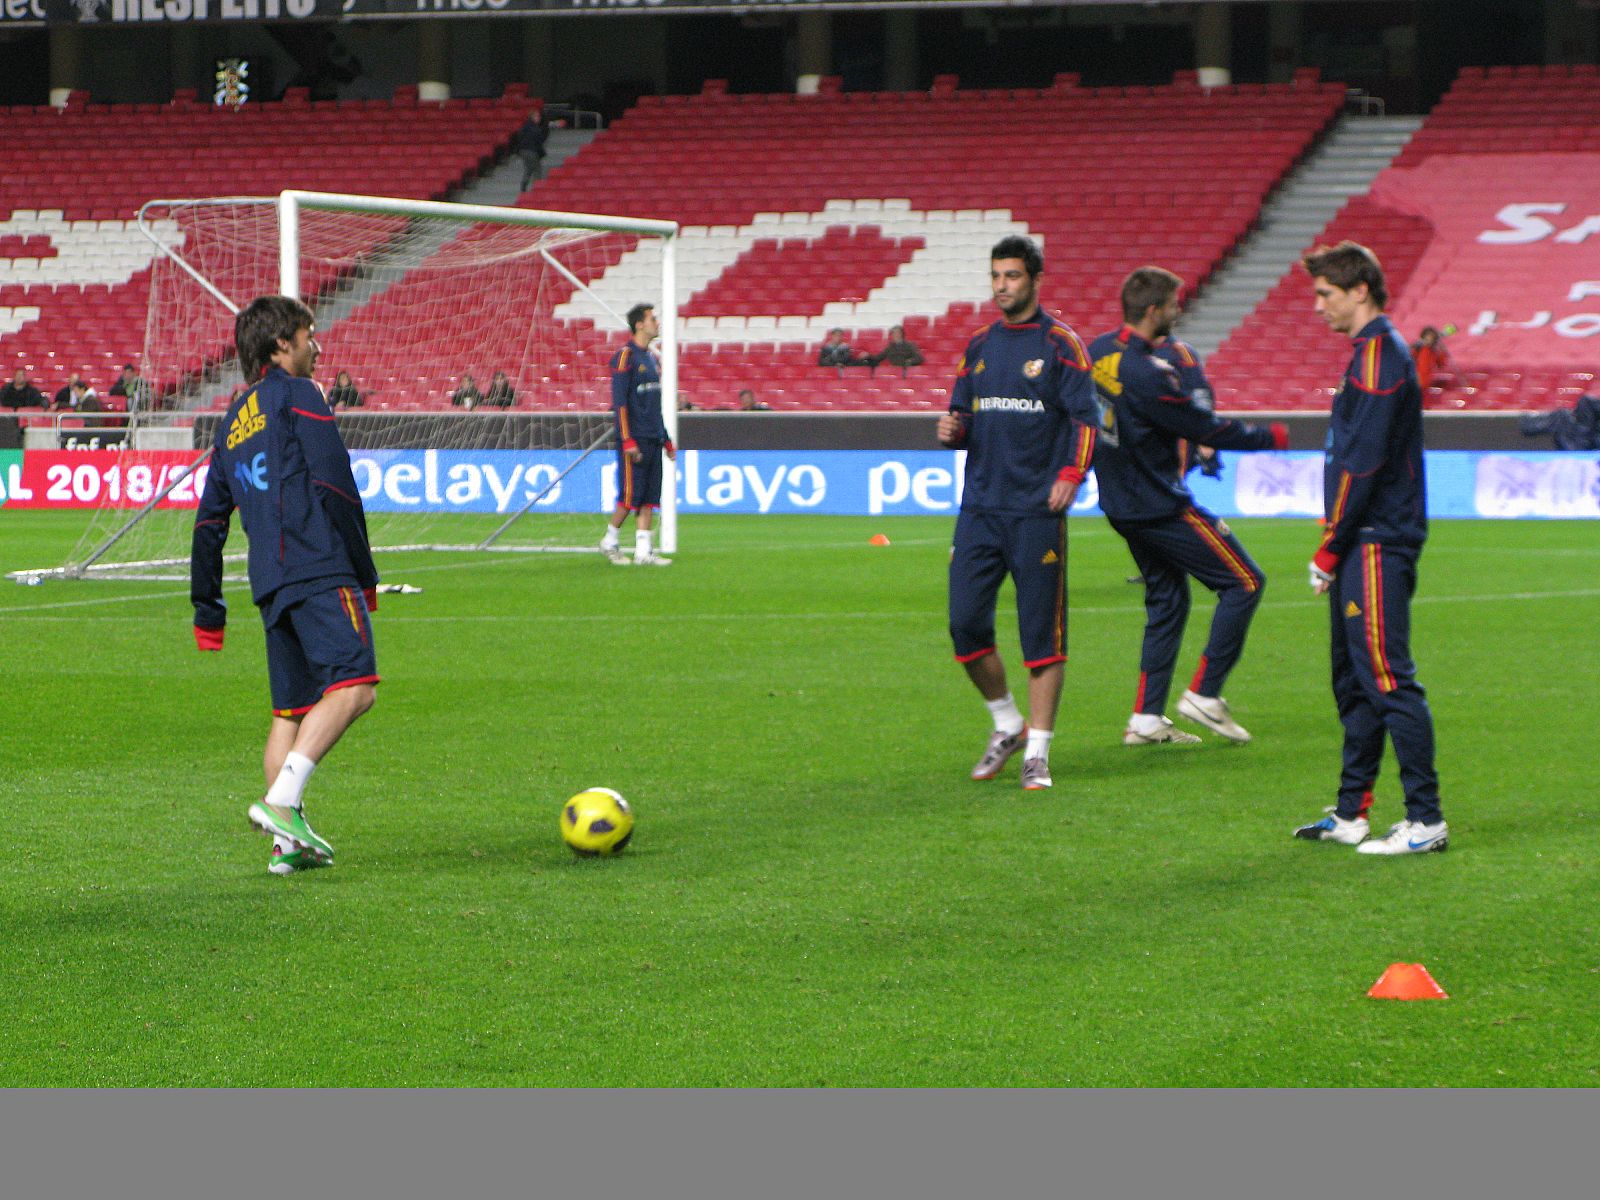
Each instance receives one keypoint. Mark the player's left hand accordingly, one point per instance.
(672, 452)
(1062, 493)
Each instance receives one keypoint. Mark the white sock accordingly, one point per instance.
(609, 542)
(641, 543)
(291, 781)
(1007, 716)
(1145, 723)
(1039, 744)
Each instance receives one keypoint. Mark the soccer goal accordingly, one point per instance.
(411, 299)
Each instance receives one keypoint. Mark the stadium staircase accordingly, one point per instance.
(502, 183)
(1456, 255)
(1343, 165)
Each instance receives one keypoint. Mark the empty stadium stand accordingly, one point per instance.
(866, 210)
(1487, 221)
(74, 270)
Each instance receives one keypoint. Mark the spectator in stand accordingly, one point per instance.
(343, 394)
(838, 353)
(749, 403)
(20, 393)
(897, 353)
(501, 394)
(84, 399)
(1575, 428)
(1430, 355)
(134, 391)
(530, 145)
(467, 396)
(63, 397)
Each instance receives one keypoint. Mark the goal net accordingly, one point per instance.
(477, 340)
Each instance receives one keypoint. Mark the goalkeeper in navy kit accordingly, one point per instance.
(641, 440)
(1023, 408)
(278, 458)
(1147, 417)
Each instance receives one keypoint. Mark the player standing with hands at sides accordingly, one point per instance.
(278, 458)
(1023, 408)
(1146, 415)
(641, 439)
(1375, 499)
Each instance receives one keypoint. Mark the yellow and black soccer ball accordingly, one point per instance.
(597, 821)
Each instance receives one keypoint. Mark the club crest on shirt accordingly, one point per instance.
(1032, 367)
(978, 370)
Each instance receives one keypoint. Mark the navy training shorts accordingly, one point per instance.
(1033, 551)
(317, 645)
(639, 483)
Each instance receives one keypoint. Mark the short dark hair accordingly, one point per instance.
(1144, 287)
(1346, 265)
(637, 314)
(258, 328)
(1017, 246)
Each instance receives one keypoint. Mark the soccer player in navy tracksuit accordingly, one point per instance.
(641, 439)
(278, 458)
(1375, 500)
(1146, 416)
(1023, 408)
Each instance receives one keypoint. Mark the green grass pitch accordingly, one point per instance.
(816, 894)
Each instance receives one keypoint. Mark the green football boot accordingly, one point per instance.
(291, 827)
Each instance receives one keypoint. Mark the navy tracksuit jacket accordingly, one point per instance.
(278, 458)
(1151, 409)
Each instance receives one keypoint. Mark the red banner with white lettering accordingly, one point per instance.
(101, 478)
(1515, 259)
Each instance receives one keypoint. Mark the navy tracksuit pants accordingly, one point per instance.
(1374, 680)
(1167, 552)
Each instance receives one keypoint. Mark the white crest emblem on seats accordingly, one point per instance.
(103, 253)
(955, 246)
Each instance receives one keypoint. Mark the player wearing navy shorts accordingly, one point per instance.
(279, 460)
(1375, 524)
(1023, 408)
(1148, 420)
(641, 439)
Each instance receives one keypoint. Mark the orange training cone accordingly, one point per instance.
(878, 539)
(1406, 981)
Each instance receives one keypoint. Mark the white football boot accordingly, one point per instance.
(1409, 837)
(1148, 729)
(1212, 712)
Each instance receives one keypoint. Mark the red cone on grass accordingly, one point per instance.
(1406, 981)
(878, 539)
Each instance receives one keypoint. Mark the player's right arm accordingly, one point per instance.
(622, 400)
(1370, 397)
(955, 424)
(211, 521)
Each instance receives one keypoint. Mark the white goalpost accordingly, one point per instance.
(411, 298)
